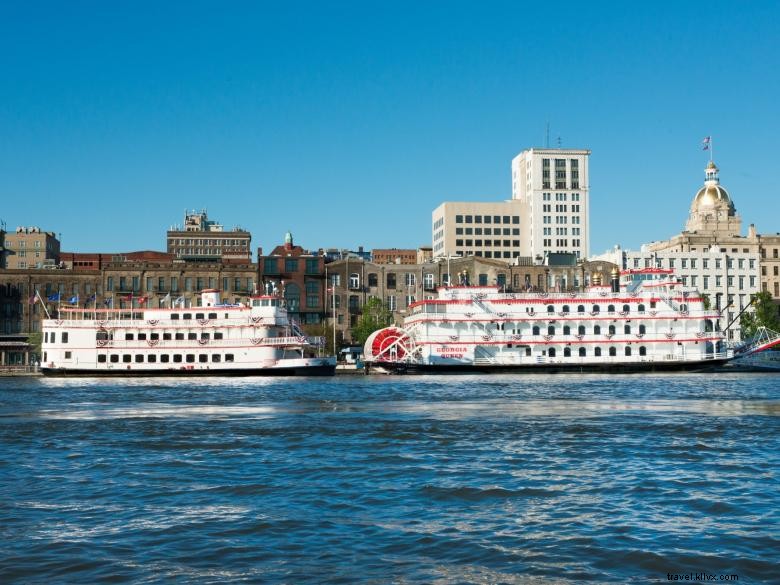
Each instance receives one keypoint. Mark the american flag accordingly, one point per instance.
(705, 144)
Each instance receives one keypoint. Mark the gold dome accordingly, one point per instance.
(712, 197)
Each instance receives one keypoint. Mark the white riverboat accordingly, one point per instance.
(644, 320)
(214, 339)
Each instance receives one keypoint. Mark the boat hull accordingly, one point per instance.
(547, 368)
(326, 368)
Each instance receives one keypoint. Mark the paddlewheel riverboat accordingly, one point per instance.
(644, 320)
(256, 339)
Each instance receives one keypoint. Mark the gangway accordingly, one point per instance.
(764, 338)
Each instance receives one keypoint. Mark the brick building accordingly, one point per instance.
(203, 240)
(29, 247)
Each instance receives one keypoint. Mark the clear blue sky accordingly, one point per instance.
(348, 123)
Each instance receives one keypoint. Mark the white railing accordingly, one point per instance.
(588, 360)
(207, 343)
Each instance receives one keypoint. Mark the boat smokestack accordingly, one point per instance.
(614, 276)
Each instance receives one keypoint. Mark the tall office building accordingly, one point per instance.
(552, 186)
(205, 240)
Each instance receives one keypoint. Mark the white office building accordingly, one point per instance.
(552, 186)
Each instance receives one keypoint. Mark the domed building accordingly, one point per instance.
(712, 210)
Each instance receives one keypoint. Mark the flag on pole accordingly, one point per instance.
(33, 299)
(108, 302)
(92, 298)
(142, 300)
(705, 144)
(74, 300)
(54, 298)
(165, 299)
(179, 301)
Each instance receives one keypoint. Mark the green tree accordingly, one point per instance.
(375, 316)
(764, 314)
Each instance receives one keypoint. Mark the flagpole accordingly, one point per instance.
(43, 304)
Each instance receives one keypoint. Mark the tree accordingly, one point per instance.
(764, 314)
(375, 316)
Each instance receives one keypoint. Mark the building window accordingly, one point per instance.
(410, 279)
(391, 280)
(354, 280)
(270, 265)
(391, 304)
(291, 265)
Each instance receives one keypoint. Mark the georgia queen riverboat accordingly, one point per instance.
(644, 320)
(214, 339)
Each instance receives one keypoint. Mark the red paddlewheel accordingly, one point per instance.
(388, 339)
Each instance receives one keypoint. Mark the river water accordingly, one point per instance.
(437, 479)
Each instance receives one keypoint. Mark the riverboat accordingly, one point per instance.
(643, 320)
(214, 339)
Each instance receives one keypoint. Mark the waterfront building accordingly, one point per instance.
(203, 240)
(29, 247)
(553, 188)
(299, 275)
(484, 229)
(352, 282)
(394, 256)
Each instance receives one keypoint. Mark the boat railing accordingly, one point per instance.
(166, 323)
(547, 360)
(147, 344)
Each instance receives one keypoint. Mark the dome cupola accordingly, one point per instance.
(712, 209)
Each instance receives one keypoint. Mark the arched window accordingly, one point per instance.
(354, 280)
(581, 330)
(566, 352)
(612, 351)
(627, 329)
(550, 309)
(612, 330)
(611, 309)
(580, 308)
(596, 308)
(628, 350)
(642, 329)
(642, 350)
(566, 330)
(536, 330)
(551, 353)
(641, 308)
(596, 351)
(626, 308)
(551, 330)
(582, 352)
(565, 308)
(597, 330)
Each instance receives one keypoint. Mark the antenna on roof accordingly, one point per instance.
(559, 141)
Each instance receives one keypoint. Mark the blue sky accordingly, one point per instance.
(348, 123)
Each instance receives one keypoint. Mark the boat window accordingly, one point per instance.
(528, 351)
(536, 330)
(612, 351)
(64, 337)
(190, 358)
(200, 315)
(580, 308)
(217, 335)
(642, 329)
(154, 336)
(227, 316)
(102, 358)
(566, 352)
(581, 330)
(174, 316)
(255, 303)
(186, 316)
(642, 350)
(550, 309)
(101, 335)
(216, 357)
(228, 357)
(46, 337)
(626, 308)
(551, 352)
(212, 315)
(203, 358)
(141, 336)
(205, 335)
(166, 336)
(53, 337)
(565, 308)
(191, 336)
(179, 336)
(177, 358)
(127, 358)
(566, 330)
(597, 330)
(612, 330)
(165, 358)
(627, 329)
(611, 309)
(139, 358)
(596, 308)
(551, 330)
(641, 308)
(67, 355)
(652, 304)
(628, 350)
(128, 336)
(151, 359)
(114, 359)
(582, 352)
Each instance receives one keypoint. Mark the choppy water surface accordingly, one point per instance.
(457, 479)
